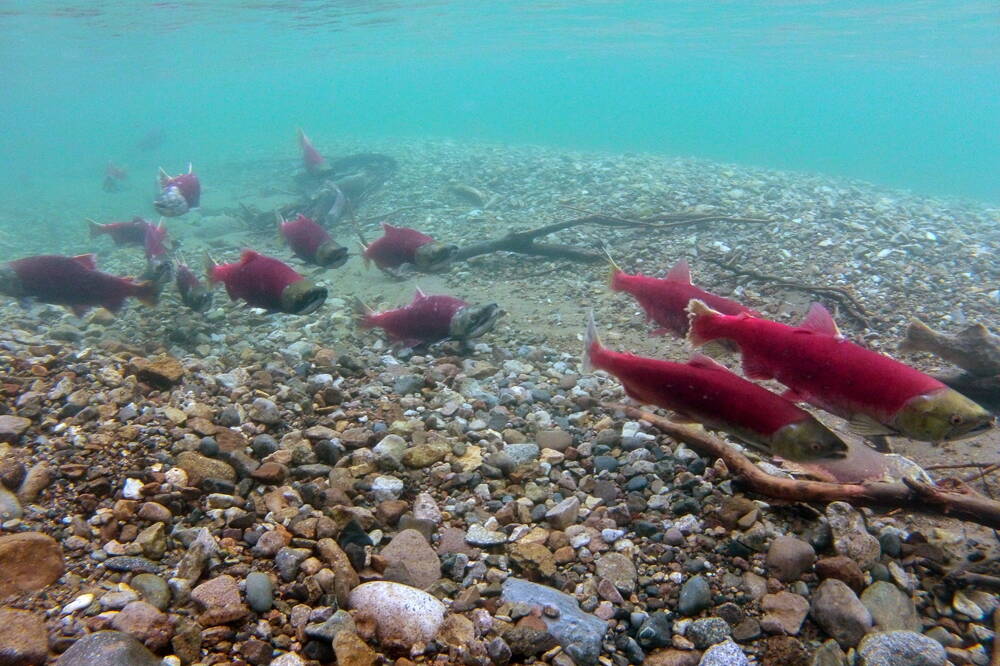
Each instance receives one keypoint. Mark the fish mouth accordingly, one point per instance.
(331, 255)
(171, 203)
(302, 297)
(974, 431)
(474, 321)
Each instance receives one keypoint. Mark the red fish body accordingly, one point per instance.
(178, 194)
(153, 242)
(432, 319)
(403, 245)
(122, 233)
(71, 281)
(311, 159)
(312, 243)
(821, 367)
(707, 392)
(265, 282)
(665, 300)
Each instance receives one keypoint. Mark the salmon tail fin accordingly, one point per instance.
(919, 336)
(95, 228)
(362, 313)
(701, 319)
(591, 341)
(148, 292)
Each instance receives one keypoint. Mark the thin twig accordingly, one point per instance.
(961, 465)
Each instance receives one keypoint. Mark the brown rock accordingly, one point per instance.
(345, 577)
(784, 613)
(23, 638)
(673, 657)
(456, 631)
(352, 651)
(199, 468)
(388, 512)
(842, 568)
(425, 455)
(270, 473)
(38, 479)
(786, 651)
(161, 371)
(788, 558)
(145, 622)
(558, 440)
(12, 427)
(155, 513)
(28, 562)
(411, 560)
(219, 600)
(534, 559)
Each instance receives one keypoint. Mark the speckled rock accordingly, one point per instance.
(28, 562)
(726, 653)
(352, 651)
(619, 569)
(219, 601)
(108, 648)
(900, 648)
(23, 638)
(891, 608)
(850, 535)
(403, 615)
(10, 506)
(199, 468)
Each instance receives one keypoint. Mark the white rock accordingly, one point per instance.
(403, 615)
(79, 603)
(132, 488)
(386, 488)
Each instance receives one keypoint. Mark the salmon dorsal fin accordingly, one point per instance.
(819, 320)
(681, 272)
(248, 255)
(419, 295)
(699, 360)
(88, 261)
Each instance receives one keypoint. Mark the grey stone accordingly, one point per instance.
(12, 427)
(580, 634)
(264, 411)
(891, 608)
(10, 507)
(389, 452)
(726, 653)
(406, 384)
(477, 535)
(411, 560)
(695, 596)
(153, 589)
(708, 631)
(259, 591)
(850, 535)
(287, 560)
(328, 630)
(829, 654)
(522, 453)
(387, 488)
(900, 648)
(564, 514)
(108, 648)
(839, 612)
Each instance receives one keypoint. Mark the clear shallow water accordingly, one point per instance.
(905, 94)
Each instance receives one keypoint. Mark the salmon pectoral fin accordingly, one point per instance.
(755, 368)
(867, 426)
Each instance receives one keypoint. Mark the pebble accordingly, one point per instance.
(146, 623)
(850, 535)
(695, 596)
(153, 589)
(523, 453)
(410, 560)
(477, 535)
(788, 558)
(23, 638)
(264, 411)
(28, 562)
(784, 613)
(387, 488)
(900, 648)
(708, 631)
(839, 612)
(726, 653)
(259, 591)
(108, 648)
(891, 608)
(619, 569)
(10, 506)
(12, 427)
(403, 615)
(563, 514)
(219, 601)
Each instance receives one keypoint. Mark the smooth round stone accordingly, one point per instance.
(695, 596)
(259, 592)
(900, 648)
(108, 648)
(10, 507)
(153, 589)
(403, 615)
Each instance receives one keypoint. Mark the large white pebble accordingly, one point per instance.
(403, 615)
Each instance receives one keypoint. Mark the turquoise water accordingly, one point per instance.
(904, 94)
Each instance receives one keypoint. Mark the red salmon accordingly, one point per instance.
(312, 243)
(433, 319)
(132, 232)
(879, 395)
(403, 245)
(313, 162)
(265, 282)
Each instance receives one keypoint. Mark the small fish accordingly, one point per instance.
(313, 162)
(665, 300)
(178, 194)
(265, 282)
(312, 243)
(430, 319)
(71, 281)
(113, 176)
(132, 232)
(403, 245)
(877, 394)
(707, 392)
(974, 349)
(194, 293)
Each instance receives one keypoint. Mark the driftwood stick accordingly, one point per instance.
(664, 220)
(948, 498)
(841, 294)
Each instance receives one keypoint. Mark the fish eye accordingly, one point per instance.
(956, 419)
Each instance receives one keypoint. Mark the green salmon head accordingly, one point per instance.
(941, 416)
(302, 297)
(473, 321)
(807, 440)
(331, 255)
(434, 256)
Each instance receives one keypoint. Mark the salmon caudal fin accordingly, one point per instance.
(591, 342)
(147, 292)
(614, 271)
(364, 314)
(702, 320)
(210, 269)
(95, 228)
